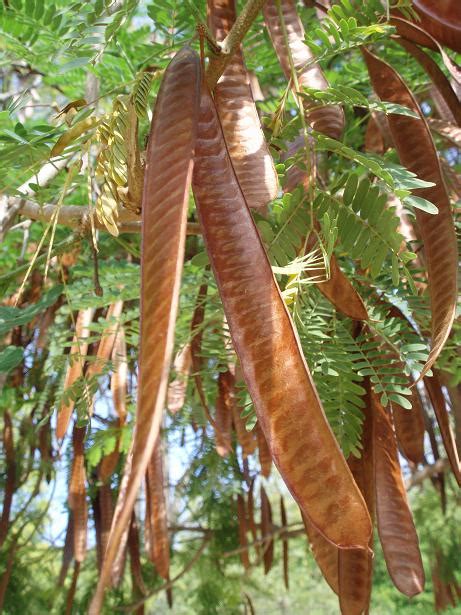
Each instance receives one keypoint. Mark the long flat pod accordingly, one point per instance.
(164, 218)
(75, 369)
(349, 571)
(417, 152)
(266, 531)
(77, 495)
(437, 76)
(159, 544)
(239, 117)
(442, 20)
(278, 379)
(327, 119)
(223, 417)
(409, 428)
(395, 523)
(284, 523)
(416, 34)
(434, 388)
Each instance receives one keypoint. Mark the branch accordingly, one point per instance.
(231, 43)
(78, 216)
(441, 465)
(11, 206)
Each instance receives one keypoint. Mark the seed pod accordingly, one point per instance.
(169, 163)
(266, 531)
(239, 117)
(417, 152)
(279, 382)
(327, 119)
(395, 522)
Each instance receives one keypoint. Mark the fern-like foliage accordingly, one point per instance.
(367, 226)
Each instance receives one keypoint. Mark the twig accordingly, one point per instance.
(275, 532)
(231, 43)
(441, 465)
(78, 217)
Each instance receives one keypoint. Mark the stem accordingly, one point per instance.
(231, 43)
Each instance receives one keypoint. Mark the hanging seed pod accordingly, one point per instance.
(268, 348)
(239, 118)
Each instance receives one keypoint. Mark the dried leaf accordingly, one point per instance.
(279, 382)
(328, 119)
(239, 117)
(395, 522)
(164, 218)
(72, 134)
(417, 152)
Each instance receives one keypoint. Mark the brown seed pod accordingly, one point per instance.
(77, 494)
(442, 20)
(328, 119)
(434, 388)
(279, 382)
(394, 519)
(417, 152)
(224, 403)
(242, 521)
(266, 531)
(156, 513)
(169, 162)
(239, 117)
(78, 352)
(410, 429)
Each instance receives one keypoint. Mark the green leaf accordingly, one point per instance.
(10, 358)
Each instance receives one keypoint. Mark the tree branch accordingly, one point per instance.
(231, 43)
(78, 216)
(441, 465)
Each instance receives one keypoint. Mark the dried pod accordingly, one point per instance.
(327, 119)
(177, 388)
(224, 403)
(266, 531)
(395, 522)
(417, 152)
(268, 348)
(77, 494)
(409, 428)
(156, 513)
(78, 352)
(239, 117)
(241, 517)
(169, 162)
